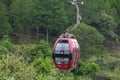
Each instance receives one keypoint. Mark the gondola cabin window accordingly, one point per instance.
(62, 48)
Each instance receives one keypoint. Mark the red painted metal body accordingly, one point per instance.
(66, 53)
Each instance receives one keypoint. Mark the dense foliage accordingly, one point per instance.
(30, 62)
(49, 18)
(23, 23)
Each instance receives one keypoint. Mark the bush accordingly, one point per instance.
(6, 47)
(5, 43)
(92, 67)
(15, 67)
(44, 48)
(33, 51)
(84, 69)
(38, 56)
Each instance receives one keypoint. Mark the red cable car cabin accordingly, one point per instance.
(66, 53)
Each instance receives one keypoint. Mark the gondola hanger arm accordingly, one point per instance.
(67, 33)
(78, 15)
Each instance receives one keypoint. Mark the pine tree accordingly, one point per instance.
(5, 27)
(21, 15)
(49, 16)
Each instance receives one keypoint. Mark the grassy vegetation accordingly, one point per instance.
(30, 62)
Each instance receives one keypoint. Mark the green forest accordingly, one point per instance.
(29, 28)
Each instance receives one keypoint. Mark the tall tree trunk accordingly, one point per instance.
(47, 36)
(37, 33)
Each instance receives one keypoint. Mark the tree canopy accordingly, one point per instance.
(37, 16)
